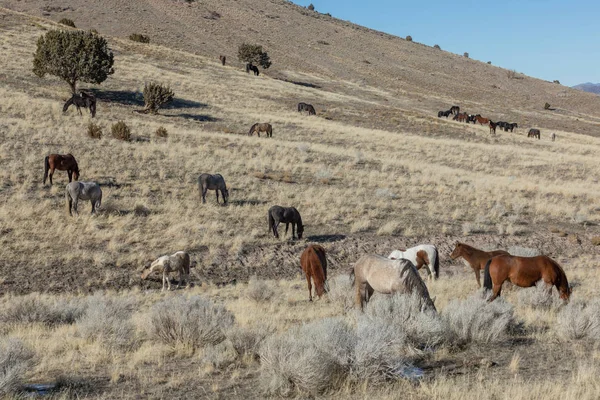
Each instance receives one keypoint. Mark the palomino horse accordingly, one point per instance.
(86, 100)
(178, 262)
(307, 107)
(534, 133)
(60, 162)
(258, 128)
(493, 127)
(474, 257)
(373, 273)
(212, 182)
(222, 59)
(314, 265)
(524, 272)
(289, 215)
(423, 254)
(455, 110)
(480, 120)
(76, 191)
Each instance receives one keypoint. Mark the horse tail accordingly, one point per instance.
(436, 263)
(352, 277)
(46, 167)
(487, 278)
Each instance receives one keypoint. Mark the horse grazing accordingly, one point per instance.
(86, 100)
(253, 68)
(524, 272)
(493, 127)
(212, 182)
(178, 262)
(423, 254)
(455, 110)
(314, 265)
(461, 117)
(61, 162)
(307, 107)
(258, 128)
(76, 191)
(444, 113)
(474, 257)
(222, 59)
(289, 215)
(479, 119)
(534, 133)
(373, 273)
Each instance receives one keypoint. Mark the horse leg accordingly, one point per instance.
(50, 174)
(496, 289)
(70, 174)
(287, 225)
(477, 276)
(93, 205)
(293, 230)
(275, 225)
(79, 109)
(75, 202)
(309, 287)
(180, 278)
(217, 192)
(164, 281)
(204, 190)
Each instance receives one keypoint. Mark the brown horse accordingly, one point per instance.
(314, 265)
(534, 133)
(524, 272)
(482, 121)
(258, 128)
(61, 162)
(223, 59)
(461, 117)
(475, 257)
(493, 127)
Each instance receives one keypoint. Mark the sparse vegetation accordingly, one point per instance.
(466, 55)
(67, 22)
(94, 131)
(409, 38)
(156, 96)
(121, 131)
(15, 363)
(311, 7)
(252, 53)
(437, 46)
(557, 81)
(138, 37)
(161, 132)
(579, 320)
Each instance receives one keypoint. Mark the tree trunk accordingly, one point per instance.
(73, 86)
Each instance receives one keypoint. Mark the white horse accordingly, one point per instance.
(423, 254)
(75, 191)
(178, 262)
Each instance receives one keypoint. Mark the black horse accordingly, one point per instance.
(251, 67)
(444, 113)
(534, 133)
(472, 118)
(86, 100)
(510, 127)
(289, 215)
(307, 107)
(455, 110)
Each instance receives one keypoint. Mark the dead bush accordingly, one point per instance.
(121, 131)
(138, 37)
(161, 132)
(67, 22)
(259, 291)
(247, 340)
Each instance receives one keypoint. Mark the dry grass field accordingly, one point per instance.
(375, 170)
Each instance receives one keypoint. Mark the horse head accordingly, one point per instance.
(68, 103)
(225, 195)
(457, 250)
(300, 230)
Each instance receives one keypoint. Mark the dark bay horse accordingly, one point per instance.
(314, 265)
(444, 113)
(307, 107)
(252, 67)
(86, 100)
(461, 117)
(493, 127)
(455, 110)
(222, 59)
(524, 272)
(261, 127)
(61, 162)
(474, 257)
(213, 182)
(289, 215)
(534, 133)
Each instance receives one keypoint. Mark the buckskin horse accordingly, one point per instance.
(314, 265)
(261, 127)
(288, 215)
(524, 272)
(86, 100)
(373, 273)
(474, 257)
(423, 254)
(61, 162)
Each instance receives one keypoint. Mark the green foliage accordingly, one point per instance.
(155, 96)
(67, 22)
(138, 37)
(409, 38)
(251, 53)
(161, 132)
(94, 131)
(489, 62)
(73, 56)
(121, 131)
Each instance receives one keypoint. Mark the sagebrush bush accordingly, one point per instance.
(341, 292)
(138, 37)
(247, 340)
(579, 320)
(524, 251)
(409, 38)
(108, 321)
(94, 131)
(155, 96)
(161, 132)
(259, 291)
(190, 321)
(67, 22)
(476, 320)
(540, 297)
(121, 131)
(38, 308)
(15, 362)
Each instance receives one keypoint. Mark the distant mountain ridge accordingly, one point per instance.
(588, 87)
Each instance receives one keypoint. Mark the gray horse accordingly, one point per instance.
(76, 191)
(212, 182)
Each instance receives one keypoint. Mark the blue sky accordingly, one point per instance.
(547, 39)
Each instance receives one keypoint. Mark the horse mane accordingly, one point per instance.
(414, 282)
(252, 129)
(562, 276)
(436, 263)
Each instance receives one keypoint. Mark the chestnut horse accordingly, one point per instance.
(479, 119)
(61, 162)
(474, 257)
(524, 272)
(314, 265)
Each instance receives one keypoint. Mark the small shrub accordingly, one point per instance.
(409, 38)
(138, 37)
(311, 7)
(466, 55)
(193, 322)
(540, 297)
(43, 309)
(341, 292)
(161, 132)
(476, 320)
(155, 96)
(437, 46)
(511, 74)
(524, 251)
(121, 131)
(15, 362)
(67, 22)
(557, 81)
(578, 320)
(596, 240)
(259, 291)
(94, 131)
(252, 53)
(547, 106)
(489, 62)
(249, 340)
